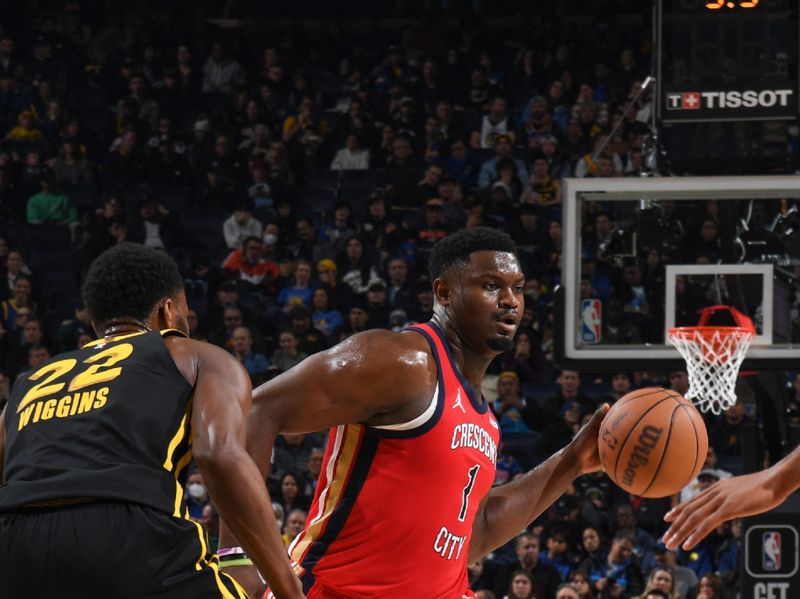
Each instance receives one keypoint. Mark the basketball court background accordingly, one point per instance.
(725, 74)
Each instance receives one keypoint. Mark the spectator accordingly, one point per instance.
(495, 122)
(49, 206)
(309, 339)
(254, 363)
(221, 75)
(378, 309)
(514, 415)
(521, 586)
(526, 359)
(196, 495)
(352, 156)
(71, 329)
(305, 131)
(433, 227)
(295, 521)
(288, 354)
(558, 554)
(401, 291)
(582, 585)
(711, 587)
(459, 165)
(709, 470)
(232, 319)
(357, 269)
(27, 129)
(249, 265)
(99, 240)
(292, 453)
(685, 578)
(300, 292)
(663, 580)
(336, 233)
(379, 230)
(21, 297)
(480, 574)
(569, 382)
(502, 149)
(726, 436)
(325, 319)
(70, 168)
(567, 591)
(545, 579)
(137, 110)
(125, 164)
(679, 381)
(241, 225)
(153, 226)
(290, 493)
(14, 267)
(559, 432)
(357, 318)
(644, 544)
(339, 293)
(621, 575)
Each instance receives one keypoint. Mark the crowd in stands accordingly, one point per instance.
(300, 181)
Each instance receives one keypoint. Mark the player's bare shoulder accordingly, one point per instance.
(191, 355)
(387, 359)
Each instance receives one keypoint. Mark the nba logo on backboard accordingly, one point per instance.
(771, 551)
(591, 320)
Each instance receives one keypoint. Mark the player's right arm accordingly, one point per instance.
(222, 399)
(377, 377)
(731, 498)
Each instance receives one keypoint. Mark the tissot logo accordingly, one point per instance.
(767, 98)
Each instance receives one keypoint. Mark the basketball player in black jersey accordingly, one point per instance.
(95, 446)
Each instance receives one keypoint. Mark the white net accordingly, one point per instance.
(713, 358)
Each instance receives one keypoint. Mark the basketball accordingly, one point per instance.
(653, 442)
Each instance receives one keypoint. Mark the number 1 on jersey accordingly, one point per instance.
(473, 474)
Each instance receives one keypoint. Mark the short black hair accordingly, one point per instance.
(456, 248)
(127, 280)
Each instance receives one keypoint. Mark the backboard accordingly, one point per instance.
(641, 255)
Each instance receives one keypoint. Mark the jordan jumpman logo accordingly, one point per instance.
(458, 403)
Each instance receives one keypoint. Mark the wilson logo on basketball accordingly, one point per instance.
(646, 442)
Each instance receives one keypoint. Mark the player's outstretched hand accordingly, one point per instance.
(584, 445)
(731, 498)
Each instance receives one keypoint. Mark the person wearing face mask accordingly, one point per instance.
(196, 496)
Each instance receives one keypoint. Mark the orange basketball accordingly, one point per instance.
(653, 442)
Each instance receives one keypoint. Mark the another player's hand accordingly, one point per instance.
(735, 497)
(584, 445)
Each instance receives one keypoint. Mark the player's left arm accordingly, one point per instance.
(508, 509)
(222, 400)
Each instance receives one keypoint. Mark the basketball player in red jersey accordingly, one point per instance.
(736, 497)
(405, 499)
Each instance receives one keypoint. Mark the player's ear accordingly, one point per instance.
(441, 291)
(166, 314)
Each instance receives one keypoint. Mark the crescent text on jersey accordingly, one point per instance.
(472, 436)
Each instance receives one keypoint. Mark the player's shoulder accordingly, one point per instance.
(383, 352)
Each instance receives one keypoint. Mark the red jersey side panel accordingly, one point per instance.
(394, 507)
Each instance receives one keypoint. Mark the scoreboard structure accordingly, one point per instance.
(728, 60)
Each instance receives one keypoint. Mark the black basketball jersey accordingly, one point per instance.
(110, 421)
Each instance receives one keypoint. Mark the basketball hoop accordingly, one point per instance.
(713, 356)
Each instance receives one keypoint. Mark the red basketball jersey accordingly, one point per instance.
(394, 507)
